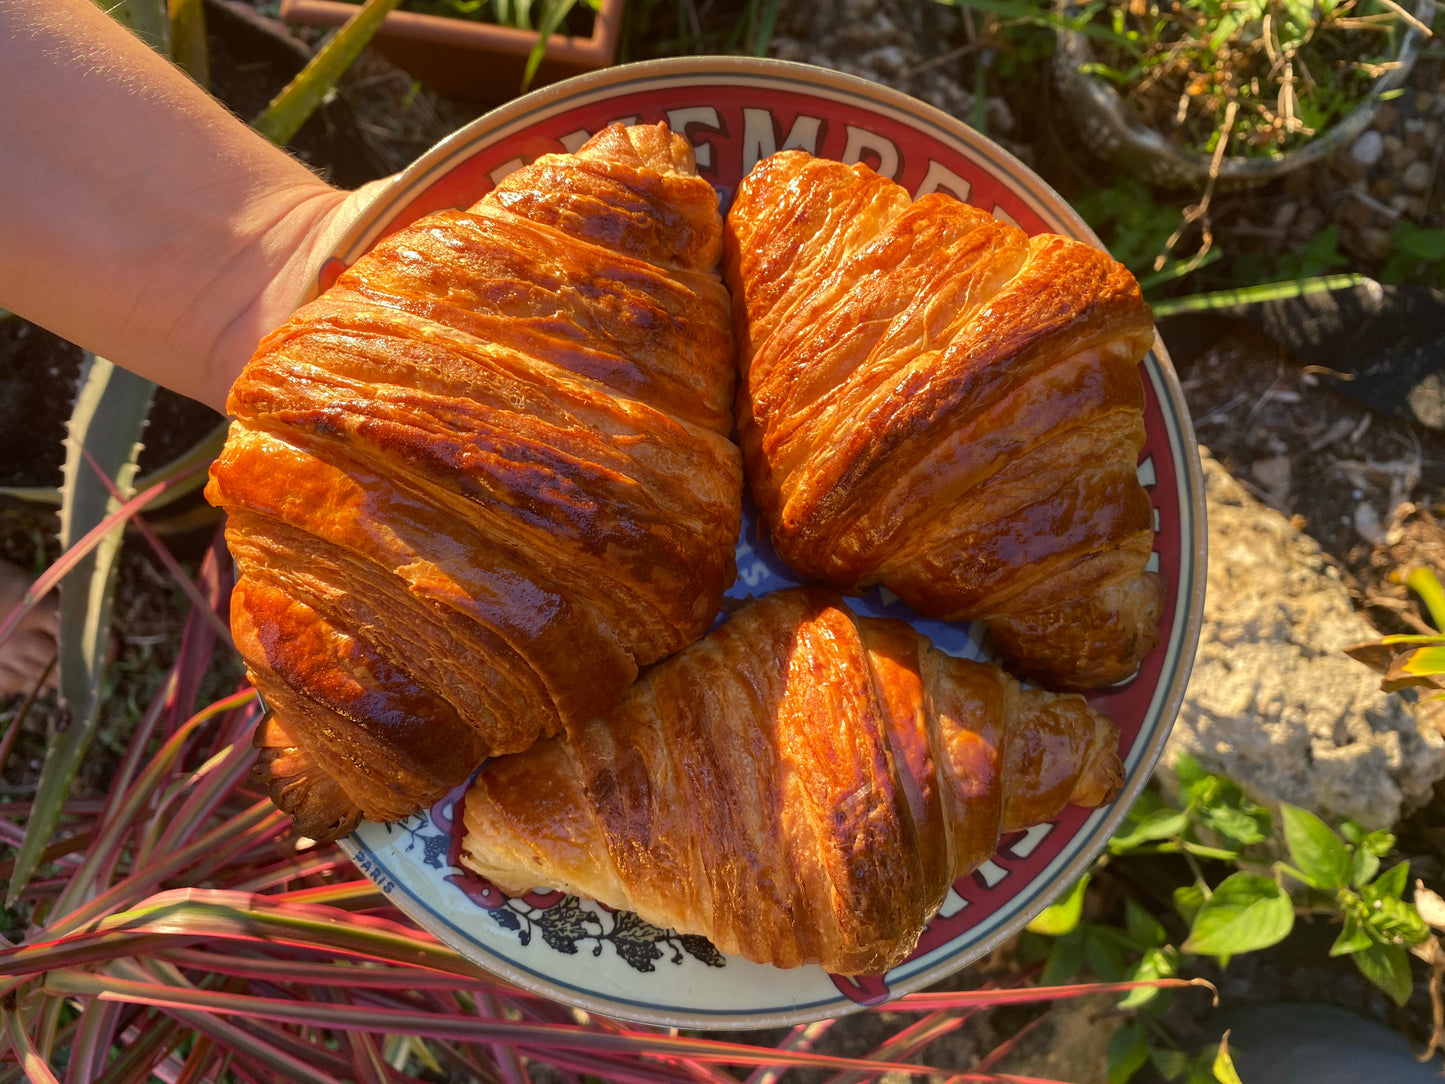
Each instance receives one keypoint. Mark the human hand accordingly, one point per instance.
(139, 218)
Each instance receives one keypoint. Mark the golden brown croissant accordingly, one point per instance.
(933, 401)
(483, 478)
(801, 786)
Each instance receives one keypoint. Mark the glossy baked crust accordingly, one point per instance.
(482, 479)
(800, 786)
(933, 401)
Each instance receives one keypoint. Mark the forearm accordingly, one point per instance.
(138, 218)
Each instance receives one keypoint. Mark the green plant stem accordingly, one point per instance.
(1252, 295)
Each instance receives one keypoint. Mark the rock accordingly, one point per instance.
(1273, 701)
(1417, 176)
(1368, 149)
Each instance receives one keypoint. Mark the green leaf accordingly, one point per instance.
(1031, 948)
(1366, 865)
(1245, 913)
(1388, 967)
(1062, 916)
(1128, 1051)
(1319, 855)
(1105, 958)
(1390, 919)
(552, 16)
(1241, 823)
(1160, 824)
(1425, 661)
(1392, 882)
(1188, 899)
(1427, 585)
(1224, 1070)
(1169, 1063)
(1064, 961)
(1422, 243)
(1379, 843)
(1353, 938)
(1158, 963)
(1143, 928)
(289, 110)
(1190, 773)
(104, 434)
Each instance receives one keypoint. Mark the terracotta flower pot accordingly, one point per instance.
(1111, 129)
(472, 60)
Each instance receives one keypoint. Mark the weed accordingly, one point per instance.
(1215, 825)
(1262, 75)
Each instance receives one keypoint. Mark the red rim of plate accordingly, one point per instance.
(705, 97)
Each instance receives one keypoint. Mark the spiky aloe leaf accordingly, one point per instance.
(149, 20)
(290, 109)
(105, 428)
(191, 464)
(188, 39)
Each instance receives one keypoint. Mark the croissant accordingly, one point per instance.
(800, 786)
(483, 478)
(933, 401)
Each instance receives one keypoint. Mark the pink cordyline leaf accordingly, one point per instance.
(30, 1060)
(527, 1036)
(327, 862)
(335, 972)
(209, 787)
(164, 555)
(94, 1035)
(367, 1064)
(77, 950)
(198, 1061)
(801, 1038)
(296, 1064)
(219, 914)
(508, 1062)
(615, 1070)
(311, 1047)
(337, 895)
(101, 863)
(198, 638)
(129, 803)
(908, 1042)
(262, 819)
(931, 1001)
(47, 580)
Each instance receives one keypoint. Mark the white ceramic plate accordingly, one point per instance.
(736, 111)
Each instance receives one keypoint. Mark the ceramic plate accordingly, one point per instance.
(735, 112)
